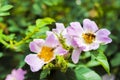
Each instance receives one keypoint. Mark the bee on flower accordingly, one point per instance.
(71, 40)
(88, 37)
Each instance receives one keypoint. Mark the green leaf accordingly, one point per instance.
(85, 55)
(116, 60)
(92, 63)
(1, 54)
(5, 8)
(41, 33)
(52, 2)
(84, 73)
(43, 22)
(71, 65)
(101, 58)
(4, 14)
(44, 73)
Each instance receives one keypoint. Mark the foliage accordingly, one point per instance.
(18, 28)
(4, 9)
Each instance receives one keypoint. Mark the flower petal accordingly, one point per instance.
(77, 42)
(16, 74)
(36, 44)
(60, 51)
(89, 26)
(77, 26)
(10, 77)
(51, 41)
(103, 32)
(94, 46)
(104, 40)
(19, 74)
(71, 31)
(68, 39)
(34, 61)
(103, 36)
(48, 33)
(75, 29)
(76, 55)
(59, 28)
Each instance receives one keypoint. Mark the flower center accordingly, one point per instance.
(88, 37)
(46, 53)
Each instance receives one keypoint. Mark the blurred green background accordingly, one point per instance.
(106, 13)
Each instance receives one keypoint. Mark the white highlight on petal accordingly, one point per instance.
(34, 61)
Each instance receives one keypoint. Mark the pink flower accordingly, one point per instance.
(16, 75)
(88, 37)
(46, 51)
(61, 32)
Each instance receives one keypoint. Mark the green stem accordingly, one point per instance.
(4, 43)
(27, 37)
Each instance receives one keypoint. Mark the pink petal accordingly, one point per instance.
(89, 26)
(19, 74)
(16, 75)
(77, 26)
(78, 42)
(60, 51)
(59, 27)
(48, 33)
(34, 61)
(103, 32)
(39, 42)
(76, 55)
(104, 39)
(10, 77)
(71, 31)
(68, 39)
(94, 46)
(51, 41)
(75, 29)
(102, 36)
(36, 44)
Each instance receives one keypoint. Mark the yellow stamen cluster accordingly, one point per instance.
(46, 53)
(88, 38)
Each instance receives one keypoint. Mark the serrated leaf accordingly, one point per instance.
(84, 73)
(41, 33)
(5, 8)
(103, 61)
(43, 22)
(101, 58)
(92, 63)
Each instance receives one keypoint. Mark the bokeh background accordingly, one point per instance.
(106, 13)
